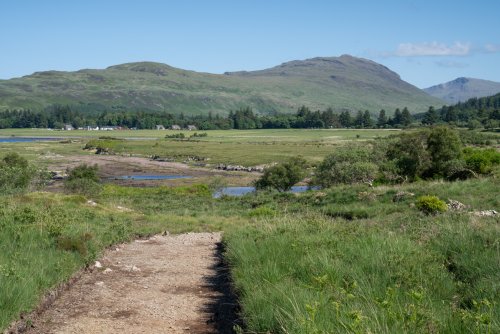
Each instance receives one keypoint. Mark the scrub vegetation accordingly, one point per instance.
(382, 247)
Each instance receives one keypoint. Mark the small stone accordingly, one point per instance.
(134, 268)
(455, 205)
(486, 213)
(98, 264)
(108, 270)
(99, 283)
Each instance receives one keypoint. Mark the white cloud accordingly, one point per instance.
(432, 49)
(492, 48)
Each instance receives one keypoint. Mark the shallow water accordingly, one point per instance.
(240, 191)
(151, 177)
(24, 139)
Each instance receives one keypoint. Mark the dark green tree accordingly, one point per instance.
(406, 118)
(382, 119)
(283, 175)
(445, 150)
(431, 117)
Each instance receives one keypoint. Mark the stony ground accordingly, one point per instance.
(164, 284)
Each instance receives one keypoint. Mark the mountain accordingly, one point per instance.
(337, 82)
(462, 89)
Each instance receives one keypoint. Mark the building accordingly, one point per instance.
(192, 128)
(160, 127)
(68, 127)
(175, 127)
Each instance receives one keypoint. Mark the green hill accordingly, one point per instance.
(462, 89)
(337, 82)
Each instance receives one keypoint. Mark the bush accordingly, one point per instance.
(431, 204)
(83, 180)
(17, 175)
(348, 165)
(283, 176)
(445, 149)
(176, 136)
(481, 161)
(408, 155)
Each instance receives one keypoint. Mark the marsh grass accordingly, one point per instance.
(391, 270)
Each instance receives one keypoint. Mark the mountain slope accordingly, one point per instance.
(319, 83)
(462, 89)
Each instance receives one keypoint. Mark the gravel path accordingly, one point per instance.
(165, 284)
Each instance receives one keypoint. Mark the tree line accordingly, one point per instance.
(475, 113)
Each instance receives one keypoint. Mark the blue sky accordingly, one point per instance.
(426, 42)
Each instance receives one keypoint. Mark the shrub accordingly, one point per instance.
(431, 204)
(481, 161)
(176, 136)
(348, 165)
(84, 180)
(283, 176)
(17, 175)
(408, 155)
(445, 149)
(199, 135)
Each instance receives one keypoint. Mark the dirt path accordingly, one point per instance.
(165, 284)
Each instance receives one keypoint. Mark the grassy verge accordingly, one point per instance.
(45, 237)
(384, 268)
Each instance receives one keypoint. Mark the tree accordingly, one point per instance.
(347, 165)
(409, 155)
(283, 175)
(406, 118)
(431, 117)
(445, 149)
(345, 119)
(398, 118)
(359, 120)
(382, 119)
(367, 119)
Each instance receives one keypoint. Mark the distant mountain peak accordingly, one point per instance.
(145, 67)
(461, 89)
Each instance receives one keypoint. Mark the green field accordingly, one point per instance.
(348, 259)
(246, 147)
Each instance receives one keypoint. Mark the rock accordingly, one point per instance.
(98, 264)
(455, 205)
(486, 213)
(108, 270)
(402, 195)
(99, 283)
(91, 203)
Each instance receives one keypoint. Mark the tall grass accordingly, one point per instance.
(393, 270)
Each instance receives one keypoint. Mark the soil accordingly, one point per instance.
(111, 166)
(164, 284)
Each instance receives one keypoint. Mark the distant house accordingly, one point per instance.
(192, 128)
(108, 128)
(175, 127)
(68, 127)
(160, 127)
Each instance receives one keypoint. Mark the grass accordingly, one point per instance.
(153, 86)
(262, 135)
(394, 270)
(346, 259)
(252, 147)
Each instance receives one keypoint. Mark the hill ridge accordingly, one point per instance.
(344, 82)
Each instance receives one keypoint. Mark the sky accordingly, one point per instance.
(425, 42)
